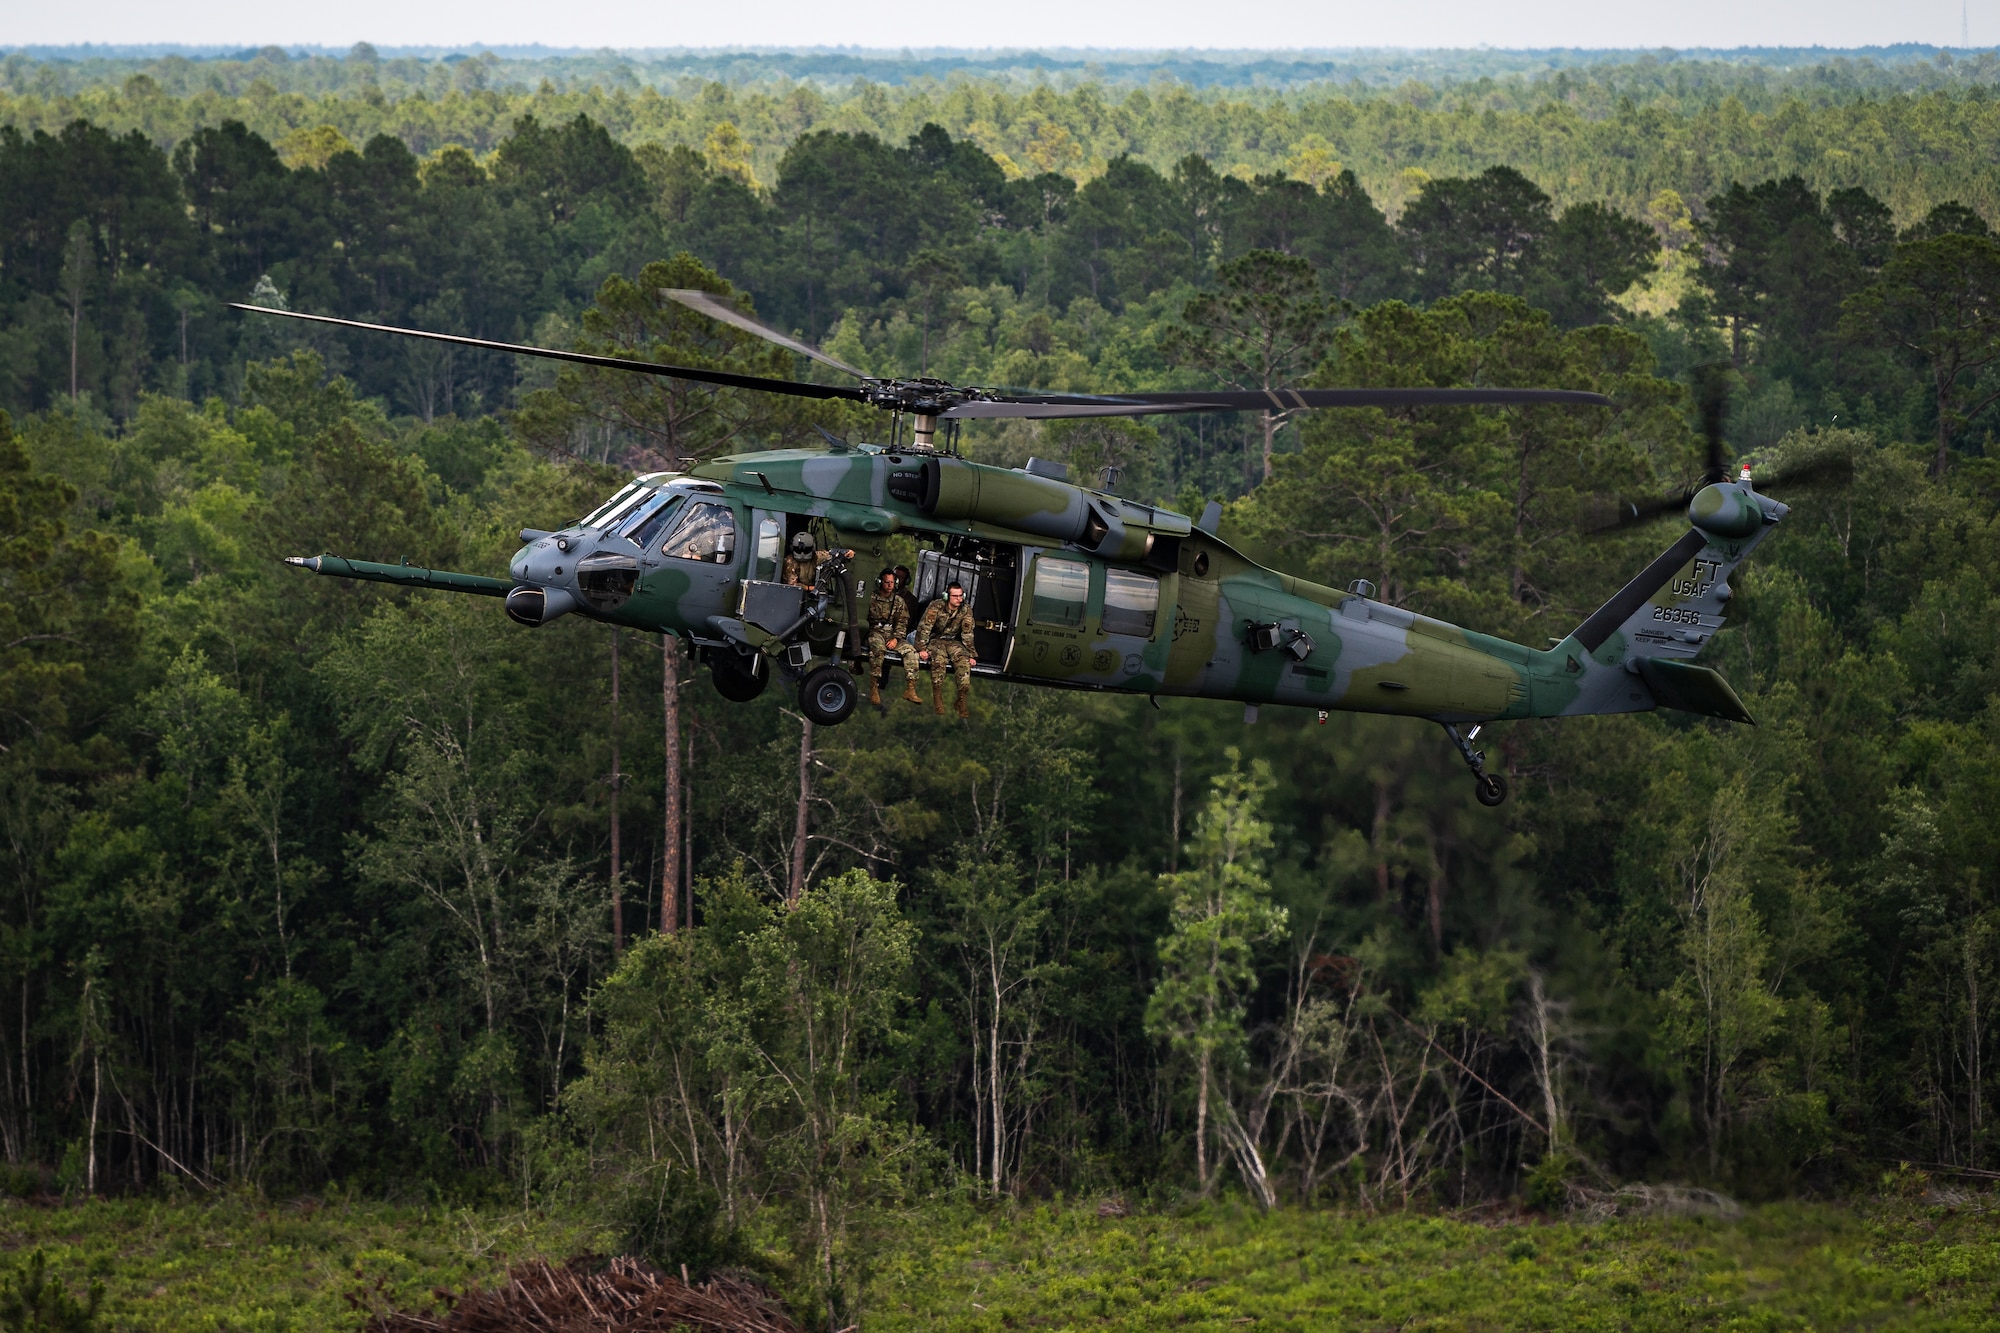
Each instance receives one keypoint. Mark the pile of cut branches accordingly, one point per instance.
(627, 1297)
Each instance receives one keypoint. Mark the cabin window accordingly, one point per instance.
(1131, 603)
(1061, 589)
(770, 542)
(708, 534)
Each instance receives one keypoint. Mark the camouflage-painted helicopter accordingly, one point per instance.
(1075, 587)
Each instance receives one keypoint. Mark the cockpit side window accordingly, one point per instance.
(708, 534)
(652, 520)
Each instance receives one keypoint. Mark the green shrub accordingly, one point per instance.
(1546, 1190)
(31, 1301)
(678, 1222)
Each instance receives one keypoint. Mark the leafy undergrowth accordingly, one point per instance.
(246, 1265)
(1788, 1266)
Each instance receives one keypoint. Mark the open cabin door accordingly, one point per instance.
(989, 573)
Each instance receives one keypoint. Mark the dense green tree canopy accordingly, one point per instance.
(305, 881)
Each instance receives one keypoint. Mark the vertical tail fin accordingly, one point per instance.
(1633, 652)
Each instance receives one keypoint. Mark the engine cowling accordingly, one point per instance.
(1041, 505)
(1114, 528)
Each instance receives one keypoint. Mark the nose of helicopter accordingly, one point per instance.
(545, 560)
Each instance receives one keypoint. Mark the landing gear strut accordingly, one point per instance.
(1490, 788)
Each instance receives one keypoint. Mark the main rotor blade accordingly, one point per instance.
(706, 303)
(724, 378)
(1258, 400)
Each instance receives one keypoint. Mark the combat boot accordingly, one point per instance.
(910, 694)
(964, 709)
(937, 697)
(875, 691)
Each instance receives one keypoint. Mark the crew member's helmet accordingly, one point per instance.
(802, 545)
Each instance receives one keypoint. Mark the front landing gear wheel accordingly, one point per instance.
(1490, 788)
(828, 696)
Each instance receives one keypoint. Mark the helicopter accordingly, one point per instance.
(1075, 587)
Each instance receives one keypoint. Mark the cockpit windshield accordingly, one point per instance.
(598, 513)
(650, 520)
(639, 514)
(608, 518)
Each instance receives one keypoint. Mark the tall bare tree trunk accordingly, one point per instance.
(617, 899)
(670, 835)
(96, 1090)
(978, 1088)
(1975, 1113)
(1545, 1074)
(1270, 433)
(993, 1075)
(796, 889)
(1201, 1123)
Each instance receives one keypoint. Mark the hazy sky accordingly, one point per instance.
(1260, 24)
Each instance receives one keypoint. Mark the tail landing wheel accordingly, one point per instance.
(739, 679)
(1489, 788)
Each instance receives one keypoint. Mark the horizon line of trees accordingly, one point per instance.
(1914, 142)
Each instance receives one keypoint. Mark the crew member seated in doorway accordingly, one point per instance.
(944, 639)
(888, 631)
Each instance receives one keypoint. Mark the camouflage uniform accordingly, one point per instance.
(803, 571)
(889, 619)
(946, 633)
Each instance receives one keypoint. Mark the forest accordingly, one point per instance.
(314, 886)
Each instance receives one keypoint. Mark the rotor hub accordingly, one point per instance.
(918, 397)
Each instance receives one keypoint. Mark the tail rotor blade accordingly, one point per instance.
(1837, 470)
(1638, 513)
(1710, 382)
